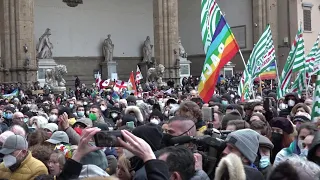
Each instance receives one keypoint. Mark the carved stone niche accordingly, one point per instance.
(73, 3)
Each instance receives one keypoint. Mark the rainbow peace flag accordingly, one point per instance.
(220, 47)
(269, 73)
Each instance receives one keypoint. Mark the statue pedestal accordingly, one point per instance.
(184, 68)
(43, 65)
(144, 66)
(58, 90)
(107, 69)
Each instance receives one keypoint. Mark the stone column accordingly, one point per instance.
(166, 36)
(17, 32)
(259, 18)
(272, 19)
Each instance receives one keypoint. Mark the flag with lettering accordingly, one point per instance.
(220, 47)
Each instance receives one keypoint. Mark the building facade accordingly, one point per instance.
(78, 32)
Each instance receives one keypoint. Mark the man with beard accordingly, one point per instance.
(18, 162)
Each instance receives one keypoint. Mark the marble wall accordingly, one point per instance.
(80, 31)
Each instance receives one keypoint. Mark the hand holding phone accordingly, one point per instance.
(107, 138)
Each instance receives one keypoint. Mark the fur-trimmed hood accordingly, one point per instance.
(232, 165)
(136, 111)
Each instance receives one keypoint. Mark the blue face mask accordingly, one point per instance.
(7, 115)
(264, 162)
(304, 152)
(71, 106)
(223, 102)
(80, 113)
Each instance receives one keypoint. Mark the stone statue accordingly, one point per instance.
(147, 50)
(182, 51)
(44, 46)
(54, 77)
(156, 74)
(107, 49)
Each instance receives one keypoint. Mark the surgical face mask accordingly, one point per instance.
(7, 115)
(25, 120)
(71, 106)
(154, 121)
(232, 96)
(166, 113)
(93, 116)
(114, 115)
(28, 105)
(264, 162)
(282, 106)
(224, 102)
(80, 113)
(10, 160)
(304, 152)
(291, 103)
(103, 108)
(53, 118)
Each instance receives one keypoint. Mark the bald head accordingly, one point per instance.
(181, 126)
(17, 118)
(17, 115)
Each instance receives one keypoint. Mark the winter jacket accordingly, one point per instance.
(28, 169)
(292, 150)
(74, 137)
(200, 175)
(157, 170)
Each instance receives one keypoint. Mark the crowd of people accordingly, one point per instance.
(45, 136)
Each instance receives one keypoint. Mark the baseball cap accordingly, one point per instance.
(52, 127)
(12, 143)
(58, 137)
(85, 121)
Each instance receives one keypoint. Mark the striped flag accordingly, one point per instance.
(220, 47)
(311, 59)
(269, 73)
(298, 55)
(316, 66)
(300, 83)
(284, 79)
(316, 99)
(263, 54)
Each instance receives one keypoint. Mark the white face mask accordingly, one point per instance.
(166, 113)
(282, 106)
(9, 160)
(53, 118)
(114, 115)
(154, 121)
(103, 108)
(291, 103)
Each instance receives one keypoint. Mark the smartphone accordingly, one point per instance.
(130, 124)
(207, 113)
(107, 138)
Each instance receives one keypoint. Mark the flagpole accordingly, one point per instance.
(271, 84)
(245, 68)
(277, 71)
(260, 85)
